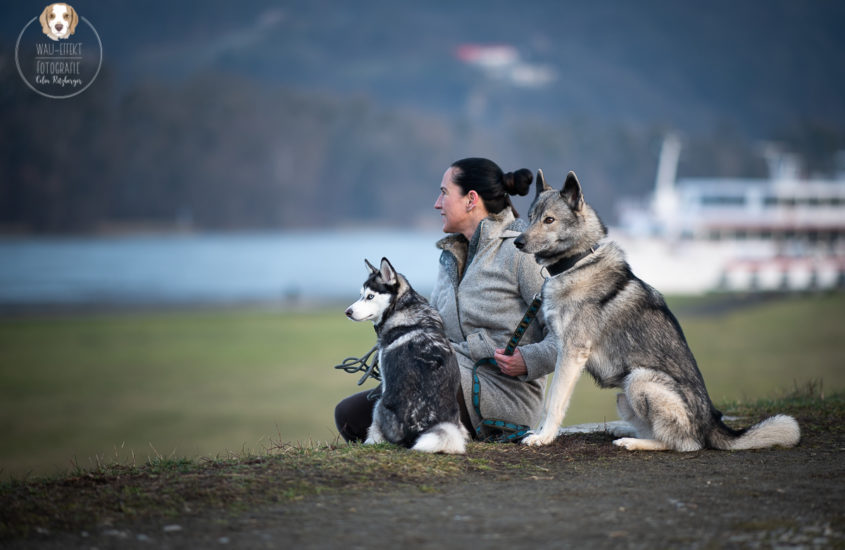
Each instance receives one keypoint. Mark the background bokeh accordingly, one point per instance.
(258, 114)
(177, 242)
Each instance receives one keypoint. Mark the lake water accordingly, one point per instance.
(207, 268)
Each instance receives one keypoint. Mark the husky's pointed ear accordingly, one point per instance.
(370, 266)
(541, 184)
(388, 274)
(571, 192)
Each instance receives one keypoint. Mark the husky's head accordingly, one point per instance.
(379, 292)
(561, 224)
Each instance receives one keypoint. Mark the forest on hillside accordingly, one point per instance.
(318, 117)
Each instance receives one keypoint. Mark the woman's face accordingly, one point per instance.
(452, 205)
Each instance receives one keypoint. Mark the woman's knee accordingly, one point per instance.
(353, 416)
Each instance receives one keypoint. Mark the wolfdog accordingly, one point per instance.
(418, 407)
(619, 329)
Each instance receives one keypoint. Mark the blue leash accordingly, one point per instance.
(503, 431)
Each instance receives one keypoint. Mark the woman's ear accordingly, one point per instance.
(472, 199)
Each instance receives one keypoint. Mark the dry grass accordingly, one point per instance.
(161, 487)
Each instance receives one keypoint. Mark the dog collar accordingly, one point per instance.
(567, 263)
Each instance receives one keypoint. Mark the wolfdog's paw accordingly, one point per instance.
(626, 442)
(538, 439)
(635, 444)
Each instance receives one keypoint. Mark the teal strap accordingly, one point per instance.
(529, 316)
(503, 431)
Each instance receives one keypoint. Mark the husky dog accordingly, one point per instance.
(619, 329)
(418, 407)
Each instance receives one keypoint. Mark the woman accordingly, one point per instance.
(484, 286)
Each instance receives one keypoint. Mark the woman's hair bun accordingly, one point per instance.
(519, 182)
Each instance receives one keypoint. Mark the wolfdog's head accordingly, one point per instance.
(561, 223)
(380, 290)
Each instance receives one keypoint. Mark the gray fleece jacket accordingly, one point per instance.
(482, 291)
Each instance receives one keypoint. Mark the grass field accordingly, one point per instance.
(78, 389)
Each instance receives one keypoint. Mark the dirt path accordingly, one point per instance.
(699, 501)
(580, 492)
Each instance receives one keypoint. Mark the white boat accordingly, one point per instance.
(697, 235)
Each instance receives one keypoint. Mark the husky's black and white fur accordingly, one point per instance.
(619, 329)
(420, 382)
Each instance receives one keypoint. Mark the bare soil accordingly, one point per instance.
(579, 492)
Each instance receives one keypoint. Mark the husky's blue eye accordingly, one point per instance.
(370, 296)
(548, 220)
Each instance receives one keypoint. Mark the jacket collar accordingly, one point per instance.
(495, 226)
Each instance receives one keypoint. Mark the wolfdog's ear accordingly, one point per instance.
(541, 184)
(370, 266)
(571, 192)
(388, 274)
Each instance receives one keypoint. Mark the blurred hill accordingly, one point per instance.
(324, 113)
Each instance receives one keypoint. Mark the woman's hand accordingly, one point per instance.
(512, 365)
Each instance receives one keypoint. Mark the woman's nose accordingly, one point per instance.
(438, 204)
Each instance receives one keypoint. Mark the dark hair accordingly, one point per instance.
(493, 186)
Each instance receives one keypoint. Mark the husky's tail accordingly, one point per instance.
(446, 437)
(779, 430)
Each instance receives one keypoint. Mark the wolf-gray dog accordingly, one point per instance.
(619, 329)
(418, 407)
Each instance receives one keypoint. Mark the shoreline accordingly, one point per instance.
(11, 311)
(697, 306)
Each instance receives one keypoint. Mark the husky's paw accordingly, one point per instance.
(374, 436)
(538, 439)
(374, 440)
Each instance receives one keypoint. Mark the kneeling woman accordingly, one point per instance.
(484, 286)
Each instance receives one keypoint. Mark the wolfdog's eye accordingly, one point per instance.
(548, 220)
(370, 296)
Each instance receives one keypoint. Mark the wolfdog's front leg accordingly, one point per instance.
(567, 371)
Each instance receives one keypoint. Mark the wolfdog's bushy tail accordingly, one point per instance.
(446, 437)
(779, 430)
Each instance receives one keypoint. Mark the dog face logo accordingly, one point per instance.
(58, 21)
